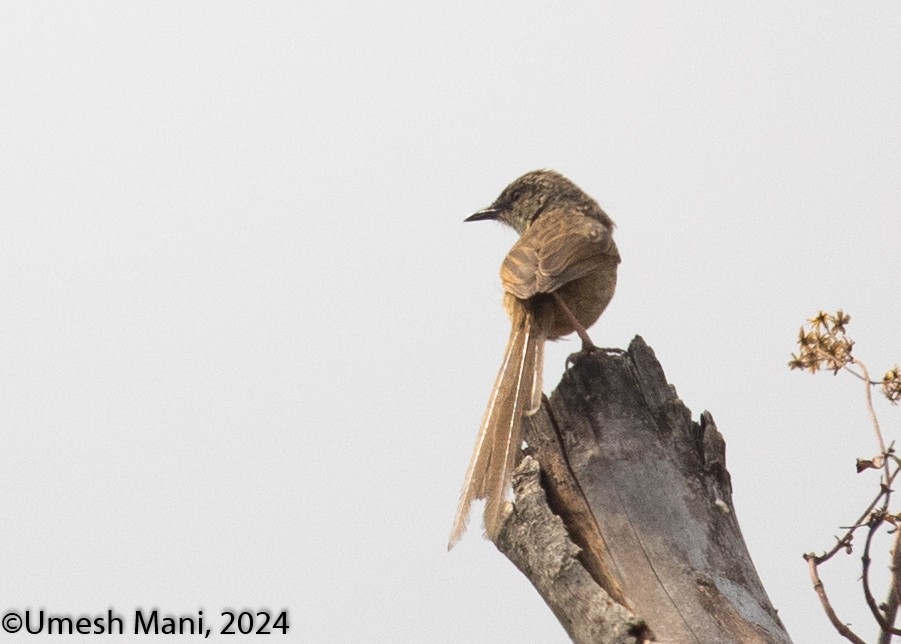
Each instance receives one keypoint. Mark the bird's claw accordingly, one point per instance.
(588, 349)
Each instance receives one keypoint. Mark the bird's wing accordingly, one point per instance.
(561, 246)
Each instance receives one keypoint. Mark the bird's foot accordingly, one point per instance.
(589, 348)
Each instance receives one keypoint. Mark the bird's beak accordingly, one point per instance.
(485, 213)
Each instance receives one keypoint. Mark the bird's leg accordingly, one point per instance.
(587, 345)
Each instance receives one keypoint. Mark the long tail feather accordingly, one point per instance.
(507, 436)
(536, 370)
(515, 392)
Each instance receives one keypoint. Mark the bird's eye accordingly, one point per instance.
(516, 194)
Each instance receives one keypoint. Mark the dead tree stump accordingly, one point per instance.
(630, 535)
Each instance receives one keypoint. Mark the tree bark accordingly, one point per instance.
(631, 535)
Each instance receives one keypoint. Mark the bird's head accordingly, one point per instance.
(526, 198)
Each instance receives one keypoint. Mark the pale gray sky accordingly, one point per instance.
(246, 339)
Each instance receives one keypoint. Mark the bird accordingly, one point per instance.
(558, 278)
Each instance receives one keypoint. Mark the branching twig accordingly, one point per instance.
(841, 627)
(894, 594)
(824, 345)
(877, 520)
(844, 543)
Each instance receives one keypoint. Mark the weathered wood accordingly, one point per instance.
(535, 539)
(644, 494)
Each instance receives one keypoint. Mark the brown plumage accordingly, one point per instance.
(558, 278)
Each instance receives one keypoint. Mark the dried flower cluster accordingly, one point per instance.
(823, 343)
(891, 384)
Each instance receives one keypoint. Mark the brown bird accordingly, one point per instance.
(558, 278)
